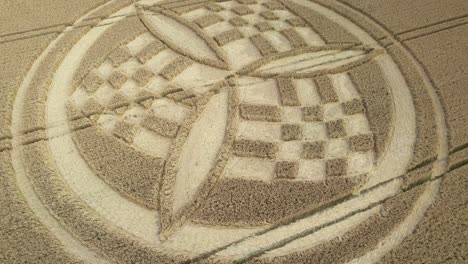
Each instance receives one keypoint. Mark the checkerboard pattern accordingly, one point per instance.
(265, 26)
(130, 95)
(312, 137)
(305, 129)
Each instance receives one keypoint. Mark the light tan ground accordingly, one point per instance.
(243, 131)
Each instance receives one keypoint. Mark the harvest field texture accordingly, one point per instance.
(233, 131)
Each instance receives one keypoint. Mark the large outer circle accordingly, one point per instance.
(129, 217)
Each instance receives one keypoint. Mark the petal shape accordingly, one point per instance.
(183, 37)
(200, 150)
(310, 62)
(197, 158)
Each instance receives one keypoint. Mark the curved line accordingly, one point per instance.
(439, 23)
(396, 90)
(302, 73)
(40, 210)
(302, 60)
(440, 166)
(221, 64)
(170, 171)
(72, 163)
(110, 238)
(405, 228)
(369, 41)
(260, 243)
(221, 158)
(251, 67)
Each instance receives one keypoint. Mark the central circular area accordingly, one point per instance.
(232, 129)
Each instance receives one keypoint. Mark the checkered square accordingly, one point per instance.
(316, 138)
(247, 2)
(263, 26)
(291, 132)
(242, 10)
(269, 15)
(273, 5)
(214, 7)
(336, 128)
(286, 170)
(313, 150)
(336, 167)
(92, 82)
(268, 25)
(117, 97)
(238, 22)
(296, 22)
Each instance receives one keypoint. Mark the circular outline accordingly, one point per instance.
(334, 11)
